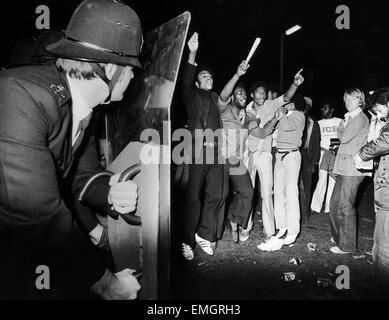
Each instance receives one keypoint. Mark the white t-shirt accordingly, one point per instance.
(328, 131)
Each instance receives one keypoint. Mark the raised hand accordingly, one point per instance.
(298, 78)
(242, 68)
(242, 116)
(193, 43)
(279, 114)
(373, 116)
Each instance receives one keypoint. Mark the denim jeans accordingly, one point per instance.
(286, 192)
(343, 214)
(381, 251)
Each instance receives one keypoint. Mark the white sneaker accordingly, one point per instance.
(290, 239)
(337, 250)
(244, 235)
(187, 252)
(204, 244)
(273, 244)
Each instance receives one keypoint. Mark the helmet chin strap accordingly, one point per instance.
(100, 71)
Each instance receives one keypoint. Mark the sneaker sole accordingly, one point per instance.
(335, 251)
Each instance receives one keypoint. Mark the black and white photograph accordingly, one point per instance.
(194, 155)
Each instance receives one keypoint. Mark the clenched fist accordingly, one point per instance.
(242, 68)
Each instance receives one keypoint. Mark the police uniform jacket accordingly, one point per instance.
(35, 156)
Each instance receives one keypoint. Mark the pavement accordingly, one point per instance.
(243, 272)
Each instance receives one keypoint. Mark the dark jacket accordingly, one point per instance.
(374, 149)
(201, 106)
(312, 154)
(35, 156)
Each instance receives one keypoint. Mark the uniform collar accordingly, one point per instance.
(80, 108)
(59, 87)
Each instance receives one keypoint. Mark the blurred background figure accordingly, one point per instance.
(325, 185)
(378, 148)
(310, 155)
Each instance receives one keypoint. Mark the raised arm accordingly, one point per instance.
(189, 74)
(229, 87)
(268, 128)
(297, 81)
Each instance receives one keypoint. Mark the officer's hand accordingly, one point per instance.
(119, 286)
(123, 196)
(126, 286)
(193, 42)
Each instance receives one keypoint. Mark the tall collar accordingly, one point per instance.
(80, 108)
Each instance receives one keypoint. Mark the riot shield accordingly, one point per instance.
(146, 248)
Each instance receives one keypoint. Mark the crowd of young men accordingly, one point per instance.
(280, 127)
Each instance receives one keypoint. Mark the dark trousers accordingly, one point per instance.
(242, 197)
(305, 186)
(343, 214)
(207, 219)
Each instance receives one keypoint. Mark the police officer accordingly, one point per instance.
(44, 113)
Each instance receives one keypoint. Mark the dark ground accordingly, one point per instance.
(243, 272)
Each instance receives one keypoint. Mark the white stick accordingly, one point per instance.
(253, 48)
